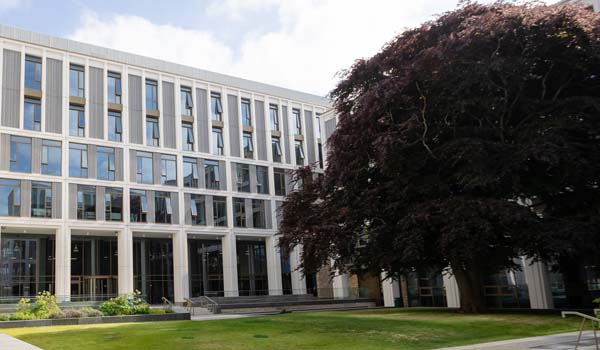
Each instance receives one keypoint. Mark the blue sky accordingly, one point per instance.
(298, 44)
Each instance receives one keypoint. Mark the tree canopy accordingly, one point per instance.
(464, 143)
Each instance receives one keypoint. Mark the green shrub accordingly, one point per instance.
(4, 317)
(24, 306)
(157, 311)
(90, 312)
(22, 316)
(128, 304)
(72, 313)
(45, 305)
(57, 314)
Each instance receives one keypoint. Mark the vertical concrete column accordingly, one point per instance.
(452, 293)
(230, 279)
(538, 284)
(298, 280)
(62, 278)
(180, 267)
(341, 285)
(273, 266)
(125, 283)
(391, 290)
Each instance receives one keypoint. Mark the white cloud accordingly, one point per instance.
(314, 39)
(7, 5)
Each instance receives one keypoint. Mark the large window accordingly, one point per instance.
(138, 206)
(41, 199)
(76, 121)
(20, 154)
(262, 179)
(320, 151)
(258, 213)
(297, 121)
(77, 81)
(33, 72)
(105, 162)
(10, 197)
(51, 157)
(187, 104)
(190, 172)
(198, 209)
(32, 114)
(78, 160)
(163, 207)
(86, 202)
(252, 268)
(243, 177)
(212, 175)
(152, 132)
(217, 141)
(151, 95)
(115, 126)
(274, 117)
(144, 168)
(299, 153)
(279, 179)
(168, 170)
(216, 108)
(239, 212)
(114, 88)
(113, 204)
(318, 121)
(276, 148)
(220, 211)
(187, 136)
(246, 114)
(248, 146)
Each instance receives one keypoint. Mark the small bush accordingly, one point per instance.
(57, 314)
(157, 311)
(72, 313)
(4, 317)
(128, 304)
(45, 305)
(22, 316)
(90, 312)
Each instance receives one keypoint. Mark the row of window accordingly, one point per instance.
(10, 198)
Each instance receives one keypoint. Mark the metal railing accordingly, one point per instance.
(595, 321)
(167, 303)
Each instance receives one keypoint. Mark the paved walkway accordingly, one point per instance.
(9, 343)
(565, 341)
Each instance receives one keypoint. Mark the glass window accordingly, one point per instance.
(246, 114)
(299, 153)
(76, 121)
(239, 212)
(51, 157)
(273, 113)
(105, 162)
(78, 160)
(163, 207)
(276, 148)
(20, 154)
(262, 179)
(10, 197)
(168, 170)
(33, 72)
(220, 211)
(86, 202)
(138, 207)
(187, 136)
(115, 126)
(190, 172)
(41, 199)
(297, 121)
(144, 168)
(32, 114)
(114, 87)
(243, 177)
(211, 174)
(113, 204)
(76, 81)
(320, 150)
(151, 95)
(187, 103)
(217, 140)
(258, 213)
(152, 132)
(318, 121)
(279, 179)
(216, 108)
(248, 146)
(198, 209)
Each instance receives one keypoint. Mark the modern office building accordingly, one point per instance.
(121, 172)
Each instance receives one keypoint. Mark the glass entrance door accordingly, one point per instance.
(252, 268)
(153, 268)
(206, 267)
(94, 268)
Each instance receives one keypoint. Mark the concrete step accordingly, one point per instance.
(300, 307)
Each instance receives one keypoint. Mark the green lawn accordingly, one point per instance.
(346, 330)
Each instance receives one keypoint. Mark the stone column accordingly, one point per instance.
(391, 290)
(273, 266)
(230, 279)
(452, 293)
(298, 280)
(125, 283)
(538, 284)
(62, 278)
(341, 285)
(181, 284)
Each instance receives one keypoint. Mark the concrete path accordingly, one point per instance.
(212, 317)
(9, 343)
(564, 341)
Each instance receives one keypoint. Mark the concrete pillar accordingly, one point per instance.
(230, 279)
(62, 275)
(273, 266)
(538, 284)
(452, 293)
(181, 285)
(125, 283)
(391, 290)
(298, 280)
(341, 285)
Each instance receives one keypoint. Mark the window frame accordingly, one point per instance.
(115, 126)
(262, 187)
(80, 120)
(242, 175)
(240, 219)
(153, 85)
(216, 107)
(117, 93)
(259, 210)
(46, 206)
(83, 159)
(248, 145)
(187, 101)
(33, 122)
(195, 176)
(165, 166)
(218, 143)
(154, 139)
(81, 209)
(165, 214)
(246, 108)
(212, 174)
(13, 191)
(219, 201)
(140, 157)
(47, 145)
(37, 72)
(297, 121)
(274, 117)
(195, 200)
(279, 175)
(109, 153)
(80, 79)
(14, 153)
(187, 136)
(299, 149)
(109, 196)
(276, 150)
(143, 210)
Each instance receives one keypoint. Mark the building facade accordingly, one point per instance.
(121, 172)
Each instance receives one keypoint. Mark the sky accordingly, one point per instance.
(297, 44)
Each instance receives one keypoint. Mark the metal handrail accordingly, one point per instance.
(584, 318)
(168, 303)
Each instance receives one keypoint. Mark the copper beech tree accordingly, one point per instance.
(465, 143)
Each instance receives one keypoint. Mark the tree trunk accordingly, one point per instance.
(470, 287)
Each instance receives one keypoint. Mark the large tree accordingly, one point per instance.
(465, 143)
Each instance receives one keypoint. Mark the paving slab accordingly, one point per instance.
(564, 341)
(9, 343)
